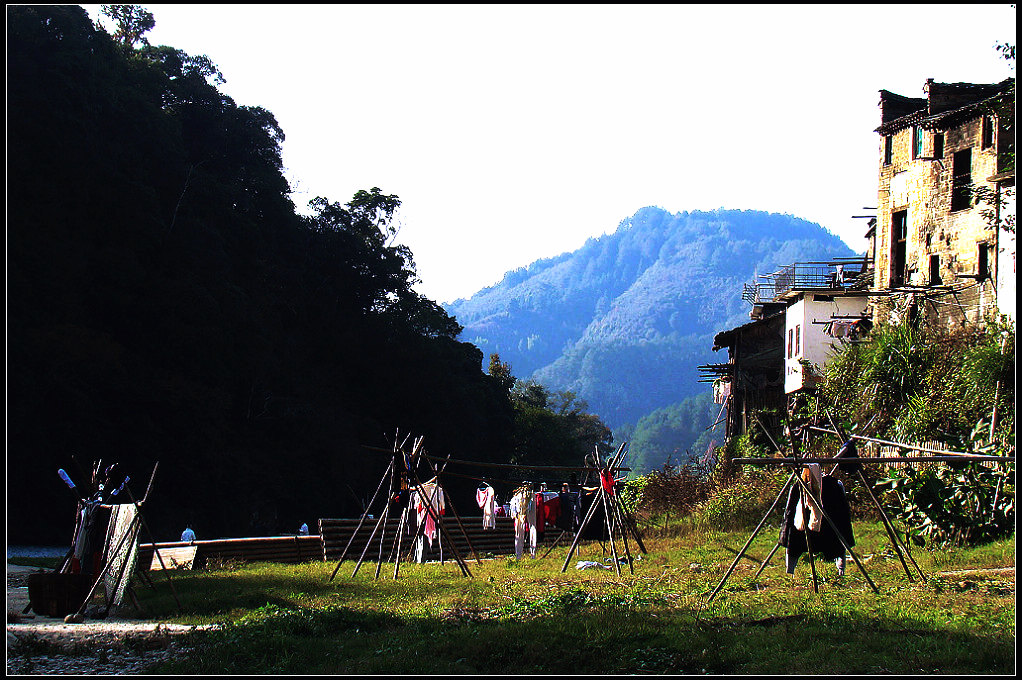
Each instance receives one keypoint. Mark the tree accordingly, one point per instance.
(132, 21)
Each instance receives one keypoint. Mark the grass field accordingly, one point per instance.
(525, 616)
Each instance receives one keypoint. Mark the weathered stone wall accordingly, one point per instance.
(923, 187)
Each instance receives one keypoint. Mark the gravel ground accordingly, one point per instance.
(41, 645)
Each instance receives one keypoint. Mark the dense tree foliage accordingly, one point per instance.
(550, 427)
(167, 303)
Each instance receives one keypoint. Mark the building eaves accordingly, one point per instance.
(987, 96)
(721, 340)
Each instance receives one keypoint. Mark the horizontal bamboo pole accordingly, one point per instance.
(892, 459)
(900, 445)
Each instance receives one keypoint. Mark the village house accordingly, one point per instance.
(800, 313)
(939, 253)
(934, 252)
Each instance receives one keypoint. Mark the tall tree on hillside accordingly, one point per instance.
(132, 22)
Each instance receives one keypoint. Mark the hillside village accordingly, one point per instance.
(941, 249)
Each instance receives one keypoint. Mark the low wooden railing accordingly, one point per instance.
(287, 549)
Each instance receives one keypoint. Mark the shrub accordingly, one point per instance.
(665, 494)
(743, 500)
(955, 504)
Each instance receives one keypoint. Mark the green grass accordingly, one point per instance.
(527, 617)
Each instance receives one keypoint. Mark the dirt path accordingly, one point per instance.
(38, 644)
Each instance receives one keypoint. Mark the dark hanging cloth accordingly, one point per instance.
(824, 541)
(569, 519)
(849, 451)
(596, 530)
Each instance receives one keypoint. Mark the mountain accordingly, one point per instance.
(625, 320)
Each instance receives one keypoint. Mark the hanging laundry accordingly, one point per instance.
(721, 390)
(551, 509)
(486, 498)
(824, 541)
(121, 550)
(607, 480)
(429, 495)
(570, 517)
(808, 510)
(523, 511)
(839, 329)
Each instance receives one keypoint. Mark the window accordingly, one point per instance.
(988, 132)
(798, 339)
(917, 142)
(961, 180)
(791, 334)
(938, 145)
(935, 270)
(888, 149)
(899, 239)
(983, 262)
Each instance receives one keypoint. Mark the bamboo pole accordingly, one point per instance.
(608, 521)
(383, 536)
(784, 488)
(582, 527)
(361, 557)
(388, 471)
(869, 461)
(890, 531)
(764, 563)
(145, 525)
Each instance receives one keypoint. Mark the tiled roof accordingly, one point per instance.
(984, 94)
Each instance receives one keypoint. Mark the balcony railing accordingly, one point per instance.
(834, 275)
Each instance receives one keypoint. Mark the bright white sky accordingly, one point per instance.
(515, 132)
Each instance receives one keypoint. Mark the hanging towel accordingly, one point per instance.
(486, 498)
(429, 496)
(812, 475)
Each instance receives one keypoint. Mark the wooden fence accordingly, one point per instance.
(930, 448)
(288, 549)
(487, 542)
(334, 536)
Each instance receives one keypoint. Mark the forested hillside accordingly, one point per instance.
(167, 304)
(625, 320)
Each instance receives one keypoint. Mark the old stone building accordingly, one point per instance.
(938, 252)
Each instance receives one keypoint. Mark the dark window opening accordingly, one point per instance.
(938, 145)
(791, 333)
(798, 339)
(917, 142)
(983, 262)
(899, 238)
(961, 180)
(888, 149)
(988, 132)
(935, 270)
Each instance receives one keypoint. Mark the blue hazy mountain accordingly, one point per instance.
(625, 320)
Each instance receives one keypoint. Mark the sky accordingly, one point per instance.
(513, 133)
